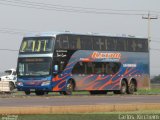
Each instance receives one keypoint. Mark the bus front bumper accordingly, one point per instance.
(34, 88)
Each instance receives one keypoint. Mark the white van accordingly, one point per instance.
(10, 76)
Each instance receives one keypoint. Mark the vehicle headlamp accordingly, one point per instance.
(45, 83)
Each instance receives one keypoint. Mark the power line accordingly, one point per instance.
(44, 6)
(62, 6)
(73, 7)
(10, 32)
(11, 50)
(155, 41)
(15, 31)
(155, 37)
(155, 49)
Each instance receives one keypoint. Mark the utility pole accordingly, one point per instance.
(149, 18)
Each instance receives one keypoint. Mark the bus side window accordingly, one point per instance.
(98, 68)
(120, 44)
(134, 45)
(131, 46)
(102, 44)
(98, 43)
(106, 44)
(86, 43)
(65, 42)
(58, 43)
(90, 68)
(111, 68)
(72, 42)
(78, 43)
(62, 42)
(140, 45)
(79, 68)
(110, 44)
(108, 69)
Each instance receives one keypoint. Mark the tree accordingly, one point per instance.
(156, 79)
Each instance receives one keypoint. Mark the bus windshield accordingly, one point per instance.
(36, 45)
(34, 66)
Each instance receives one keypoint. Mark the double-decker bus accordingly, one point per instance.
(63, 62)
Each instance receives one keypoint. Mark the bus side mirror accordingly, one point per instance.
(55, 69)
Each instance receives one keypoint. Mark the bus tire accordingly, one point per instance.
(123, 88)
(27, 92)
(69, 88)
(131, 87)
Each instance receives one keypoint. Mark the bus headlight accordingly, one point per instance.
(19, 83)
(45, 83)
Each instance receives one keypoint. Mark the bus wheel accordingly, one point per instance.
(123, 88)
(69, 89)
(27, 92)
(39, 92)
(131, 87)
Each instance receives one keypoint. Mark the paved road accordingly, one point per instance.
(78, 100)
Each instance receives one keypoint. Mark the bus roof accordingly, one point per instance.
(54, 34)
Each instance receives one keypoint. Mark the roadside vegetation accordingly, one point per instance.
(152, 91)
(90, 116)
(156, 79)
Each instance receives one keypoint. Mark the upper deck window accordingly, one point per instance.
(101, 43)
(37, 45)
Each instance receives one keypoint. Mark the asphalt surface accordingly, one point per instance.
(77, 100)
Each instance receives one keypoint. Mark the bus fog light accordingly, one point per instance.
(45, 83)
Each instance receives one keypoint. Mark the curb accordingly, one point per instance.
(79, 109)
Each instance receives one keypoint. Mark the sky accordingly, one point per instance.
(110, 17)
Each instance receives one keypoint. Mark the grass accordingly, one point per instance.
(93, 116)
(153, 91)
